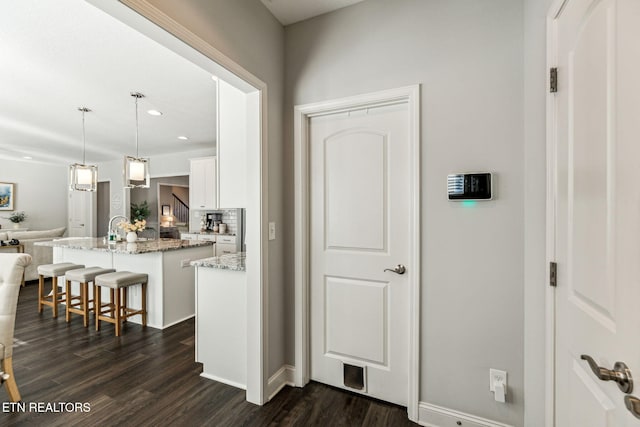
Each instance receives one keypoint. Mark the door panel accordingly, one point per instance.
(355, 219)
(359, 206)
(597, 207)
(357, 334)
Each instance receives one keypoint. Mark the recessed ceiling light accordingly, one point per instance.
(27, 157)
(154, 112)
(182, 137)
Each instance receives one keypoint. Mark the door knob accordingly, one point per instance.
(399, 269)
(633, 405)
(620, 374)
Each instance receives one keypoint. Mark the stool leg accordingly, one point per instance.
(97, 304)
(144, 304)
(124, 303)
(40, 292)
(84, 294)
(67, 289)
(111, 301)
(118, 310)
(54, 281)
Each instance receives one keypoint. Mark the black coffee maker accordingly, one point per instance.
(212, 219)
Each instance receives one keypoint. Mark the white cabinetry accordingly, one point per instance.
(226, 245)
(202, 184)
(234, 127)
(221, 325)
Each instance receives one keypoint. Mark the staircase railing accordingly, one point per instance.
(180, 209)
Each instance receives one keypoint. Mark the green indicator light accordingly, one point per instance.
(469, 203)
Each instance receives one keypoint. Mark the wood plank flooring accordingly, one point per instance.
(149, 378)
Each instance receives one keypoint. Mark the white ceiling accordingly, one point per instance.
(292, 11)
(59, 55)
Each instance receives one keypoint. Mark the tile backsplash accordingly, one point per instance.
(229, 217)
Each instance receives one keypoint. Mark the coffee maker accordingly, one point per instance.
(213, 218)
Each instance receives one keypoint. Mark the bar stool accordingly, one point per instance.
(54, 271)
(81, 304)
(120, 282)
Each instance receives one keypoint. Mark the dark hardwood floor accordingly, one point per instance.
(149, 378)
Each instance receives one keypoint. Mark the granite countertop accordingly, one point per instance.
(139, 247)
(235, 262)
(209, 232)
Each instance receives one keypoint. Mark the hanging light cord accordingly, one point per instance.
(137, 96)
(84, 140)
(137, 155)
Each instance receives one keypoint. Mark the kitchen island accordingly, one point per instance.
(171, 290)
(221, 318)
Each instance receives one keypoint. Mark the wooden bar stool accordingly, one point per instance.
(118, 310)
(54, 271)
(79, 304)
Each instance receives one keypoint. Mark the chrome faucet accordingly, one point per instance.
(111, 233)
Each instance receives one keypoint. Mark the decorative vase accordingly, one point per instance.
(132, 236)
(16, 225)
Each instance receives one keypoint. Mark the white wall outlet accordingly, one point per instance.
(185, 263)
(272, 231)
(497, 376)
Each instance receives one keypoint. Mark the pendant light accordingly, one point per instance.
(136, 169)
(83, 177)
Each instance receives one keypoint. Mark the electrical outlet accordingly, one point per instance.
(272, 231)
(185, 263)
(496, 375)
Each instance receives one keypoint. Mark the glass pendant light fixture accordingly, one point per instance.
(136, 169)
(83, 177)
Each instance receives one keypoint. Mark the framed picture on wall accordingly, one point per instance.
(7, 195)
(166, 210)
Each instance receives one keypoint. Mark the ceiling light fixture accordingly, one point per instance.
(136, 169)
(182, 137)
(154, 112)
(27, 157)
(83, 177)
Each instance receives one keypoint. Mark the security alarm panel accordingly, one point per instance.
(469, 186)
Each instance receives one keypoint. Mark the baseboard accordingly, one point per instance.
(436, 416)
(224, 381)
(178, 321)
(283, 377)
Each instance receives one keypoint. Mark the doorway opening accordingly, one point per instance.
(148, 20)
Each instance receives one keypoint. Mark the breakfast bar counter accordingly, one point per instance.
(171, 288)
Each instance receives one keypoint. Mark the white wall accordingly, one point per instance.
(41, 192)
(468, 57)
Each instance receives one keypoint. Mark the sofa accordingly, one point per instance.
(39, 254)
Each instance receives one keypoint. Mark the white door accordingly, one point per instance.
(359, 204)
(597, 236)
(81, 208)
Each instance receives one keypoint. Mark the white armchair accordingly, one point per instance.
(11, 269)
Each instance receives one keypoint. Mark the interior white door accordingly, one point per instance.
(359, 221)
(81, 208)
(597, 235)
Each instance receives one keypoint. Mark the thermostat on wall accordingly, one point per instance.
(469, 186)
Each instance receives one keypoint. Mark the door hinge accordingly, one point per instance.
(553, 274)
(553, 80)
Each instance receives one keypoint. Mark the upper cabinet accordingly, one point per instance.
(234, 127)
(202, 184)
